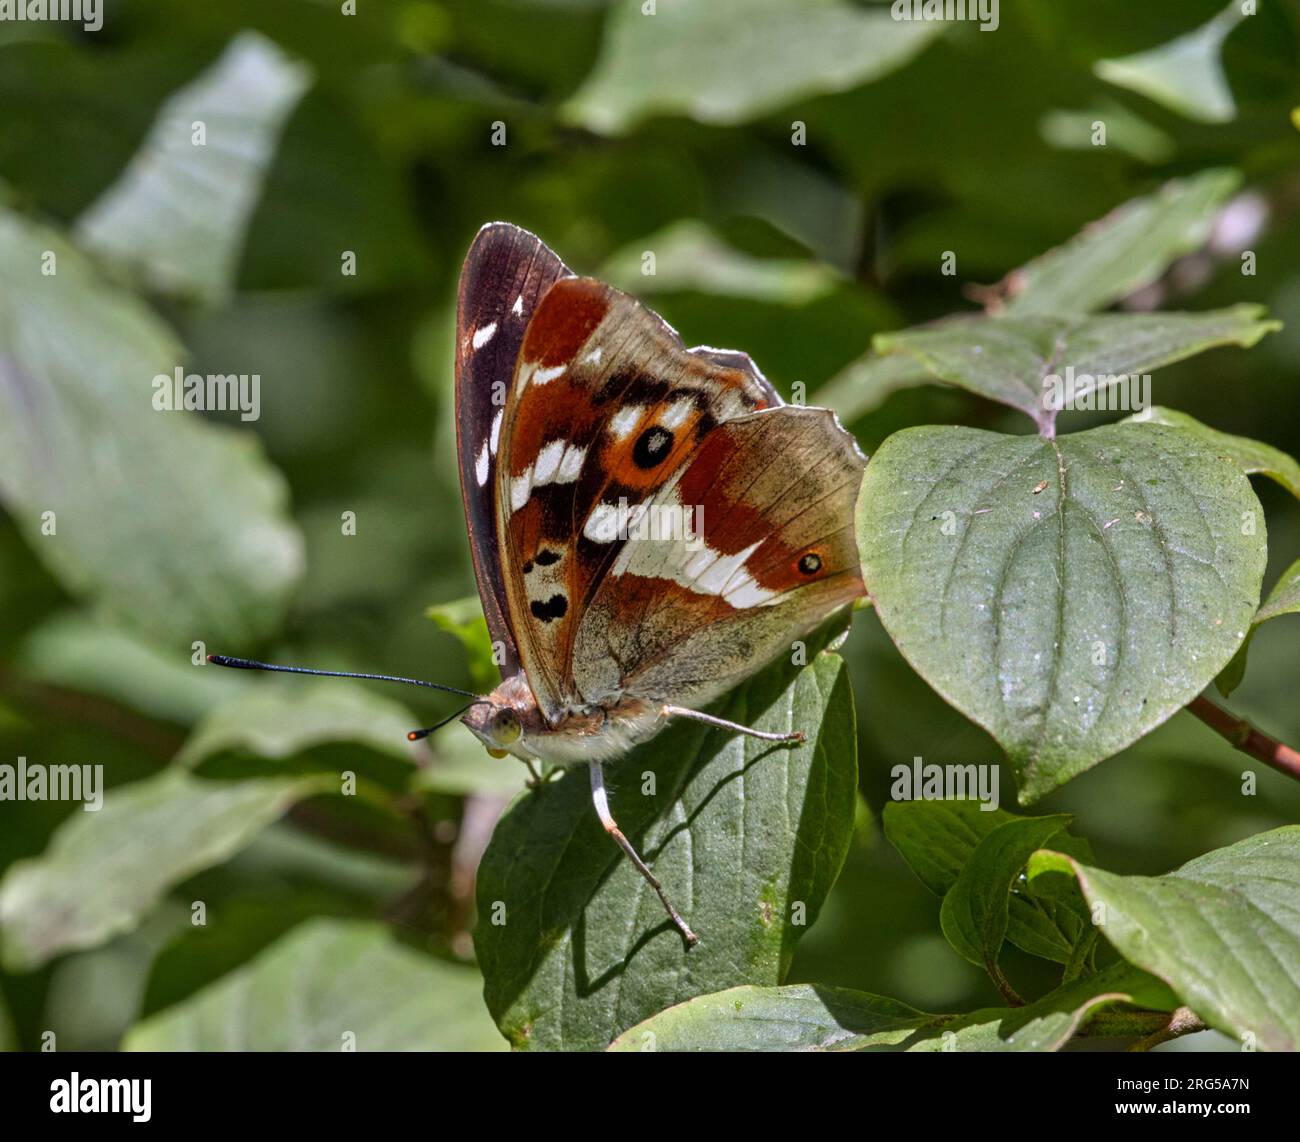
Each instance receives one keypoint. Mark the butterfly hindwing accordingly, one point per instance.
(606, 405)
(506, 273)
(771, 552)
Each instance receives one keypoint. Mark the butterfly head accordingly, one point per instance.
(503, 720)
(497, 727)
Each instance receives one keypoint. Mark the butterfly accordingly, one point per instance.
(649, 524)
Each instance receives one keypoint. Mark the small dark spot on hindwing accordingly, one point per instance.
(811, 563)
(652, 446)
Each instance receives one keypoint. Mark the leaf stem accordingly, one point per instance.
(1182, 1022)
(1003, 984)
(1246, 737)
(1079, 956)
(1125, 1024)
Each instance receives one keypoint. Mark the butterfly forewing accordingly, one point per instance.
(684, 618)
(605, 407)
(507, 271)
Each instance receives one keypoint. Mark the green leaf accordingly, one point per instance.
(104, 870)
(82, 453)
(1046, 1024)
(975, 911)
(1067, 595)
(800, 1017)
(1253, 456)
(175, 220)
(285, 717)
(1118, 254)
(727, 61)
(1223, 931)
(865, 384)
(329, 985)
(463, 620)
(688, 256)
(746, 837)
(81, 651)
(1283, 599)
(1185, 75)
(1010, 360)
(1126, 132)
(938, 838)
(1106, 261)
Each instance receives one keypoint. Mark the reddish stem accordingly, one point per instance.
(1246, 737)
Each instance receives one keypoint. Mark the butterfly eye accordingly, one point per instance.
(811, 563)
(505, 727)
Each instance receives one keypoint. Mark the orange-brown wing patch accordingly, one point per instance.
(606, 405)
(771, 553)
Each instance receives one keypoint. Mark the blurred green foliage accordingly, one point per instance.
(807, 167)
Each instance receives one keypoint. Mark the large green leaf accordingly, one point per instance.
(329, 985)
(975, 911)
(938, 838)
(175, 220)
(1009, 359)
(746, 837)
(176, 526)
(799, 1017)
(1120, 253)
(1046, 1024)
(1067, 595)
(104, 870)
(1223, 931)
(726, 61)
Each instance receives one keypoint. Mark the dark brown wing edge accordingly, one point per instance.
(505, 275)
(735, 359)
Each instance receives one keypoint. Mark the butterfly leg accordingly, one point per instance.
(601, 800)
(734, 727)
(537, 779)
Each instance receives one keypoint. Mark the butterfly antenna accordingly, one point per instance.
(416, 735)
(249, 664)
